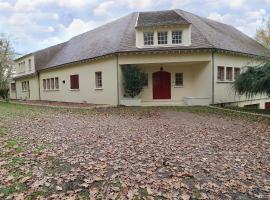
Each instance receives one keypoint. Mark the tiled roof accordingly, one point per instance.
(119, 36)
(160, 18)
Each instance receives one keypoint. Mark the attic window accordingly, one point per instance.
(176, 37)
(163, 37)
(148, 38)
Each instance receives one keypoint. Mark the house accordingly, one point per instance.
(190, 60)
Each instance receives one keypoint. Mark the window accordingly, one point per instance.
(179, 79)
(236, 72)
(29, 64)
(220, 73)
(25, 86)
(13, 87)
(44, 84)
(56, 83)
(74, 81)
(162, 37)
(177, 37)
(229, 73)
(52, 83)
(48, 84)
(148, 38)
(98, 79)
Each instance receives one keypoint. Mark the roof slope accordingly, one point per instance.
(120, 36)
(223, 36)
(160, 18)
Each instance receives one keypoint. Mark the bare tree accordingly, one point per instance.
(263, 34)
(6, 65)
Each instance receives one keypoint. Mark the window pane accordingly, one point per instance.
(29, 64)
(148, 38)
(179, 79)
(229, 74)
(44, 84)
(236, 72)
(52, 83)
(98, 77)
(221, 73)
(13, 86)
(48, 84)
(162, 38)
(177, 37)
(56, 83)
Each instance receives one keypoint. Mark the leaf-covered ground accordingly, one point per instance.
(132, 153)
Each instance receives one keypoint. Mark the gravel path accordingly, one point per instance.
(161, 155)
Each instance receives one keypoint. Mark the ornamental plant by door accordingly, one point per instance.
(134, 79)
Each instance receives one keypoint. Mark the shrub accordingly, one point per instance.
(134, 80)
(4, 93)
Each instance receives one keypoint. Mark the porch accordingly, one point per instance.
(174, 84)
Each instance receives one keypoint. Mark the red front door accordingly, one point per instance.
(267, 106)
(161, 85)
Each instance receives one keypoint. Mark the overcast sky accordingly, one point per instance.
(36, 24)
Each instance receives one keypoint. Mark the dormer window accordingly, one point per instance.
(148, 38)
(176, 37)
(163, 37)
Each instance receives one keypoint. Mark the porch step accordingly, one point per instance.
(163, 103)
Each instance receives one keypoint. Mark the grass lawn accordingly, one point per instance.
(133, 153)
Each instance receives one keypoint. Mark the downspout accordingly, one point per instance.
(117, 72)
(213, 75)
(39, 96)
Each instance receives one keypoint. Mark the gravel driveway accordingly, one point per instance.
(162, 154)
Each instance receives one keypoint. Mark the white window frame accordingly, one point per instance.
(148, 38)
(98, 80)
(162, 37)
(175, 78)
(179, 38)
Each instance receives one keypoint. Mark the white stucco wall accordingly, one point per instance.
(87, 91)
(33, 93)
(21, 71)
(224, 91)
(196, 69)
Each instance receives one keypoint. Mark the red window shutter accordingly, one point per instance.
(74, 81)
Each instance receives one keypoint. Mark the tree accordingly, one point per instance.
(254, 81)
(263, 34)
(6, 63)
(134, 80)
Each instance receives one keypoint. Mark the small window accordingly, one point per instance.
(98, 79)
(23, 86)
(44, 84)
(13, 87)
(148, 38)
(236, 72)
(177, 37)
(29, 64)
(74, 81)
(179, 79)
(52, 83)
(162, 37)
(229, 73)
(48, 84)
(56, 83)
(220, 73)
